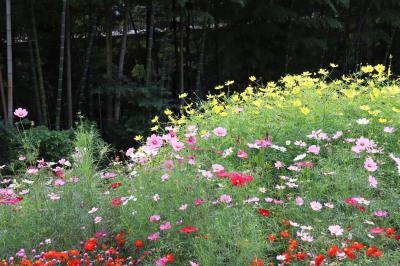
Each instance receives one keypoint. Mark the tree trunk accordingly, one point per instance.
(9, 63)
(69, 78)
(109, 96)
(200, 65)
(3, 96)
(35, 84)
(150, 33)
(117, 111)
(42, 93)
(181, 57)
(87, 65)
(61, 67)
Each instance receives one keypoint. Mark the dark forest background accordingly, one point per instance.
(123, 61)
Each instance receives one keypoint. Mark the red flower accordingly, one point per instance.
(350, 253)
(361, 208)
(138, 243)
(116, 201)
(293, 244)
(90, 244)
(116, 185)
(357, 245)
(390, 232)
(188, 229)
(170, 258)
(319, 259)
(351, 201)
(60, 174)
(300, 256)
(26, 262)
(256, 262)
(239, 179)
(271, 237)
(332, 251)
(373, 251)
(284, 234)
(263, 212)
(74, 262)
(288, 257)
(223, 174)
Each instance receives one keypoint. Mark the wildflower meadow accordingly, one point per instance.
(301, 171)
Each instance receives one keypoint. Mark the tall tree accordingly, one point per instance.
(35, 83)
(109, 75)
(150, 32)
(42, 92)
(69, 76)
(2, 94)
(9, 63)
(117, 111)
(61, 66)
(181, 57)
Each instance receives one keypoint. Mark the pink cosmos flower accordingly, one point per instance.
(278, 164)
(338, 134)
(388, 130)
(21, 158)
(154, 236)
(377, 230)
(206, 174)
(316, 206)
(217, 168)
(59, 182)
(191, 140)
(335, 230)
(299, 201)
(165, 226)
(242, 154)
(198, 202)
(314, 149)
(154, 141)
(225, 198)
(164, 177)
(193, 263)
(168, 165)
(155, 218)
(109, 175)
(372, 181)
(220, 131)
(183, 207)
(156, 197)
(93, 210)
(177, 145)
(370, 165)
(32, 170)
(381, 213)
(21, 112)
(98, 219)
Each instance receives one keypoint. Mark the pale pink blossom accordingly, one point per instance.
(370, 165)
(217, 168)
(372, 181)
(155, 218)
(299, 201)
(335, 230)
(314, 149)
(316, 206)
(220, 131)
(21, 112)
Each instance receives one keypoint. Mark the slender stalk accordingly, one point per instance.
(9, 63)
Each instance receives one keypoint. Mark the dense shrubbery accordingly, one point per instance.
(302, 170)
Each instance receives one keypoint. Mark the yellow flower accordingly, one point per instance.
(323, 72)
(138, 137)
(168, 112)
(155, 119)
(258, 102)
(333, 65)
(223, 114)
(379, 68)
(296, 103)
(382, 120)
(364, 107)
(252, 78)
(183, 95)
(397, 110)
(219, 87)
(217, 109)
(155, 128)
(367, 69)
(190, 112)
(235, 98)
(229, 82)
(305, 110)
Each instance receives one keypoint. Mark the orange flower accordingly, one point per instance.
(90, 244)
(38, 263)
(26, 262)
(286, 222)
(74, 252)
(73, 262)
(138, 243)
(293, 244)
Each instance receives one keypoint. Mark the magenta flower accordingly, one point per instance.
(372, 181)
(220, 131)
(225, 198)
(153, 236)
(21, 112)
(165, 226)
(242, 154)
(381, 213)
(154, 218)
